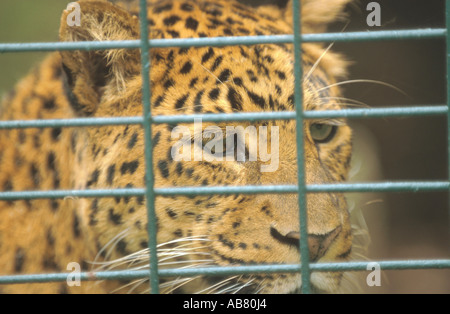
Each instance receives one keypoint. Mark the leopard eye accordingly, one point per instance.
(322, 133)
(228, 146)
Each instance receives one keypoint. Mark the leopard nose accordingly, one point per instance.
(318, 244)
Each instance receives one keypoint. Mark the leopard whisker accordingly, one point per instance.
(347, 101)
(316, 64)
(218, 285)
(177, 255)
(168, 252)
(261, 286)
(176, 284)
(135, 284)
(228, 289)
(184, 262)
(181, 248)
(130, 259)
(212, 74)
(185, 239)
(238, 286)
(245, 285)
(235, 288)
(112, 243)
(118, 264)
(179, 281)
(143, 255)
(363, 81)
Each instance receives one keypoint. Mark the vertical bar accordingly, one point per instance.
(298, 92)
(149, 179)
(447, 21)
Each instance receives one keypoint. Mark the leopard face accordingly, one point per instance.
(211, 230)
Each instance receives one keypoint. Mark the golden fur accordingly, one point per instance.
(110, 233)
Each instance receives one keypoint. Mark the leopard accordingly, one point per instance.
(98, 233)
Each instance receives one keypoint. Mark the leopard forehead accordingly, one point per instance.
(230, 78)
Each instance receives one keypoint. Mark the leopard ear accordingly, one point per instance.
(90, 74)
(317, 14)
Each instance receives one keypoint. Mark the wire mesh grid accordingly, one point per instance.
(147, 120)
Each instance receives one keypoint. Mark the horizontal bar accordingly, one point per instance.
(425, 33)
(228, 117)
(227, 190)
(380, 187)
(84, 276)
(384, 265)
(320, 267)
(311, 188)
(57, 194)
(77, 122)
(227, 41)
(291, 115)
(60, 46)
(228, 270)
(378, 112)
(225, 117)
(82, 122)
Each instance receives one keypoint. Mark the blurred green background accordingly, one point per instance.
(26, 21)
(402, 225)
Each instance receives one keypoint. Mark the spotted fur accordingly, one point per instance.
(110, 233)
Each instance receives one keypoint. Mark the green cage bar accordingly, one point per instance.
(144, 44)
(228, 270)
(228, 41)
(147, 125)
(413, 186)
(301, 187)
(227, 117)
(447, 21)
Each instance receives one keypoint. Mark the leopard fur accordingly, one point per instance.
(44, 236)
